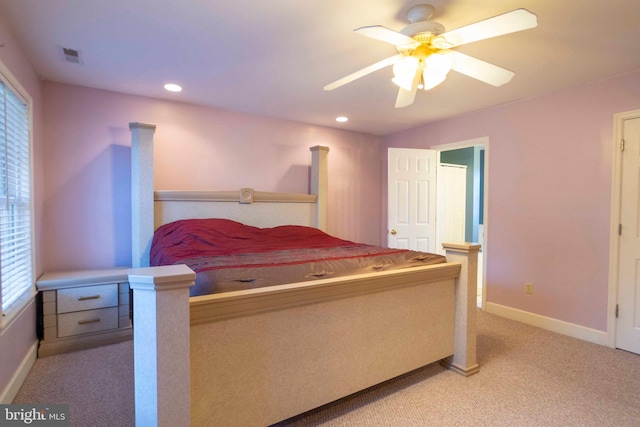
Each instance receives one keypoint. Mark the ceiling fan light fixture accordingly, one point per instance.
(440, 62)
(436, 68)
(403, 83)
(404, 71)
(431, 80)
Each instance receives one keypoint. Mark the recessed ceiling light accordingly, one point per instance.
(172, 87)
(342, 119)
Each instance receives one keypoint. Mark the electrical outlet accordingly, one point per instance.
(528, 288)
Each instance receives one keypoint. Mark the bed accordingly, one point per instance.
(259, 350)
(228, 256)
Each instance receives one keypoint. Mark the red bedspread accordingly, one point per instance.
(192, 238)
(228, 255)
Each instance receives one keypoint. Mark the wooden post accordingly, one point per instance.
(464, 360)
(161, 345)
(141, 192)
(320, 183)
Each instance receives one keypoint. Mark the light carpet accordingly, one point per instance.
(528, 377)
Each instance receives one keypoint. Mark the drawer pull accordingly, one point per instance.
(88, 298)
(85, 322)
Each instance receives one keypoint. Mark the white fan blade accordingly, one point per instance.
(361, 73)
(384, 34)
(406, 97)
(480, 70)
(510, 22)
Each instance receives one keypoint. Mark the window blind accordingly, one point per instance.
(16, 261)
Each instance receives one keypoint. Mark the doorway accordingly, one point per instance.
(473, 155)
(624, 283)
(472, 159)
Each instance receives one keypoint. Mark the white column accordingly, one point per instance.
(320, 183)
(141, 192)
(464, 360)
(161, 345)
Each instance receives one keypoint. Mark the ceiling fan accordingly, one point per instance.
(424, 57)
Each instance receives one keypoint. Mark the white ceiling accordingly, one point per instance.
(274, 57)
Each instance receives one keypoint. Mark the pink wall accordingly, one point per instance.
(550, 166)
(16, 340)
(549, 180)
(88, 159)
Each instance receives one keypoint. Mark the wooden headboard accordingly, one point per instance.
(260, 209)
(151, 209)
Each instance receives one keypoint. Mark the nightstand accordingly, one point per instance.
(83, 309)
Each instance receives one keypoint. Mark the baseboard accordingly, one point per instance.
(554, 325)
(10, 392)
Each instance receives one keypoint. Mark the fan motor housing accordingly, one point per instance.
(421, 52)
(417, 29)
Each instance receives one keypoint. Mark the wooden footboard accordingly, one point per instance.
(260, 356)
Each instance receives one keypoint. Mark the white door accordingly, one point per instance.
(412, 199)
(451, 204)
(628, 323)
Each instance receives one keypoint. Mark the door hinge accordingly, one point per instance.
(619, 229)
(622, 145)
(617, 310)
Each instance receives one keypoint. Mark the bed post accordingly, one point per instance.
(320, 183)
(463, 360)
(141, 192)
(162, 367)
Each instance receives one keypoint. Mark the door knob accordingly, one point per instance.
(394, 232)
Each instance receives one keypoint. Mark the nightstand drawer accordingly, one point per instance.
(87, 298)
(82, 309)
(84, 322)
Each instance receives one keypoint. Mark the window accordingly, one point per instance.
(16, 237)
